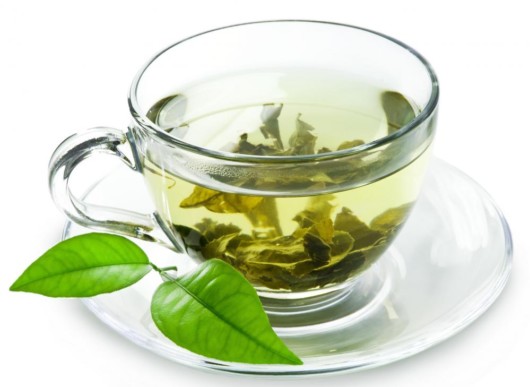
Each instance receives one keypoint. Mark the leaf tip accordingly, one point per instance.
(298, 361)
(17, 285)
(294, 360)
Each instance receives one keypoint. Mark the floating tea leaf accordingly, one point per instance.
(221, 202)
(247, 148)
(324, 150)
(168, 113)
(350, 144)
(271, 127)
(397, 109)
(155, 110)
(302, 142)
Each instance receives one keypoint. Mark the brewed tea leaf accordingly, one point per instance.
(348, 222)
(320, 250)
(198, 197)
(350, 144)
(153, 113)
(391, 219)
(317, 209)
(190, 237)
(285, 249)
(271, 127)
(217, 247)
(341, 270)
(246, 147)
(211, 229)
(168, 113)
(324, 150)
(343, 263)
(324, 229)
(341, 245)
(316, 249)
(302, 142)
(220, 202)
(264, 218)
(372, 252)
(397, 109)
(278, 263)
(399, 112)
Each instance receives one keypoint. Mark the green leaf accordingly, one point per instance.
(215, 312)
(84, 266)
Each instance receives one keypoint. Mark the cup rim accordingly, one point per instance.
(144, 122)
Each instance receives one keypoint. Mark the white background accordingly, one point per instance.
(66, 66)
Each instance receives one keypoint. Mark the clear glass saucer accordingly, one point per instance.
(447, 266)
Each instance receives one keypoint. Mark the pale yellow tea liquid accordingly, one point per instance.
(278, 241)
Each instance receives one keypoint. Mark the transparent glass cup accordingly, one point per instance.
(298, 226)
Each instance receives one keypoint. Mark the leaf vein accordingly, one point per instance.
(63, 273)
(230, 323)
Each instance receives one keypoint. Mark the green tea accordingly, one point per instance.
(278, 240)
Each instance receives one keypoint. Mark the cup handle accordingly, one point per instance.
(66, 158)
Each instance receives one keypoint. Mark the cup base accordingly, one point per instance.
(317, 312)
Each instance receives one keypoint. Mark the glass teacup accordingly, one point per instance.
(293, 150)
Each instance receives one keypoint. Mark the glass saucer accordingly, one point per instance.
(447, 266)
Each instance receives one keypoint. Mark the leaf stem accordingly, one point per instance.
(163, 271)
